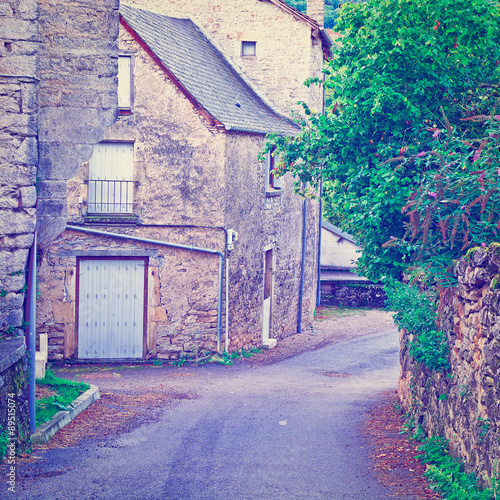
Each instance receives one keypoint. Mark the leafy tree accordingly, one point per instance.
(331, 7)
(403, 73)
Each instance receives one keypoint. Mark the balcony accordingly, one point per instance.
(110, 197)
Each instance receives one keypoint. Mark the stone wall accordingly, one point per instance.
(334, 293)
(77, 68)
(14, 415)
(18, 155)
(182, 289)
(464, 404)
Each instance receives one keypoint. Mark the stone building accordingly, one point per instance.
(179, 239)
(58, 93)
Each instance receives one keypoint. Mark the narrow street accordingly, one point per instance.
(286, 430)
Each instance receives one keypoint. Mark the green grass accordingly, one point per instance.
(66, 392)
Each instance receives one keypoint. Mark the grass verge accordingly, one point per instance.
(65, 391)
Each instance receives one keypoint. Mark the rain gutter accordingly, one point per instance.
(172, 245)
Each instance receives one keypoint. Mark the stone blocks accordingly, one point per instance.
(469, 415)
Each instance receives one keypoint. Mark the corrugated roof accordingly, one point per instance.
(205, 73)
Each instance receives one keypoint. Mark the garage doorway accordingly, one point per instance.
(111, 308)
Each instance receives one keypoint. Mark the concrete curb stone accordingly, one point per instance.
(62, 418)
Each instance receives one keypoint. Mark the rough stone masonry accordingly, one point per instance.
(58, 66)
(463, 404)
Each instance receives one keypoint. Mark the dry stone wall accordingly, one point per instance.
(464, 404)
(14, 417)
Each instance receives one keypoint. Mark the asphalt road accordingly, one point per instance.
(290, 430)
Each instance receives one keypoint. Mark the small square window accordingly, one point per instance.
(248, 48)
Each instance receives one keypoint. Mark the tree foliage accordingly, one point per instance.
(400, 84)
(331, 7)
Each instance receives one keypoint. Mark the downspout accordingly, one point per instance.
(172, 245)
(226, 343)
(303, 265)
(318, 297)
(32, 333)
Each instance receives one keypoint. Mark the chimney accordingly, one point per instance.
(316, 11)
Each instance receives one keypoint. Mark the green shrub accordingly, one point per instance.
(447, 473)
(416, 313)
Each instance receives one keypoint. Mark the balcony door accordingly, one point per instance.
(111, 173)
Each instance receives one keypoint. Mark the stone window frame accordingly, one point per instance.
(127, 110)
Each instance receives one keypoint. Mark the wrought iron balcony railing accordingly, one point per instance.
(110, 197)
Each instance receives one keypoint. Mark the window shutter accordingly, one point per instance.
(111, 174)
(268, 169)
(277, 182)
(124, 82)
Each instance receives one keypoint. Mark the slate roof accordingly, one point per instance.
(205, 73)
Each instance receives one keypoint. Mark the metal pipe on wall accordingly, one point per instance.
(173, 245)
(303, 264)
(32, 334)
(318, 296)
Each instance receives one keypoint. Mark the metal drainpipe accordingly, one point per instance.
(32, 334)
(318, 296)
(303, 264)
(226, 343)
(173, 245)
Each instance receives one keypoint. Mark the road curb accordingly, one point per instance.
(45, 431)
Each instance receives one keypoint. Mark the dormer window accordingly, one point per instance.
(125, 83)
(248, 49)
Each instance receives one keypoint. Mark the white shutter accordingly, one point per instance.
(124, 82)
(111, 162)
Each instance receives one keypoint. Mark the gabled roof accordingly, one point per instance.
(282, 4)
(316, 30)
(202, 73)
(337, 231)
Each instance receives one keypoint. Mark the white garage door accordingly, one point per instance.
(111, 309)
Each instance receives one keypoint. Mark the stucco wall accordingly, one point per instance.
(337, 252)
(282, 42)
(464, 403)
(177, 159)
